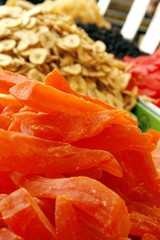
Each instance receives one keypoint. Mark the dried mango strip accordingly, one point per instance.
(47, 99)
(63, 126)
(36, 155)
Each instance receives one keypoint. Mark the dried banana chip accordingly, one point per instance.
(46, 39)
(5, 60)
(34, 11)
(33, 39)
(10, 22)
(67, 60)
(60, 44)
(37, 56)
(25, 53)
(86, 44)
(105, 68)
(35, 74)
(119, 64)
(67, 28)
(22, 45)
(18, 62)
(72, 69)
(78, 83)
(92, 74)
(4, 32)
(32, 22)
(71, 41)
(83, 56)
(98, 47)
(125, 80)
(4, 11)
(7, 45)
(25, 19)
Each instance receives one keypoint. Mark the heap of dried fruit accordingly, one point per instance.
(68, 161)
(90, 7)
(37, 39)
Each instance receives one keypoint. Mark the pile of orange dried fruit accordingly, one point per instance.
(73, 167)
(35, 39)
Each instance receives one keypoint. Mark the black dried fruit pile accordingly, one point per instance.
(114, 41)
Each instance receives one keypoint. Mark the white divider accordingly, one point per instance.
(103, 6)
(152, 37)
(134, 18)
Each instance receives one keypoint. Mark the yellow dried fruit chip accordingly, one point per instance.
(22, 45)
(18, 61)
(35, 74)
(84, 56)
(34, 11)
(4, 32)
(10, 22)
(25, 19)
(7, 45)
(78, 83)
(4, 11)
(5, 60)
(25, 53)
(71, 41)
(32, 23)
(37, 56)
(33, 39)
(125, 80)
(74, 69)
(46, 39)
(60, 44)
(67, 60)
(99, 47)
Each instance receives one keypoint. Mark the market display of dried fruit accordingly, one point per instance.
(74, 165)
(74, 169)
(37, 39)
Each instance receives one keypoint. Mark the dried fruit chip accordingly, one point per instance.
(99, 47)
(5, 60)
(38, 55)
(46, 39)
(7, 45)
(22, 45)
(10, 22)
(71, 41)
(33, 73)
(4, 32)
(73, 69)
(34, 11)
